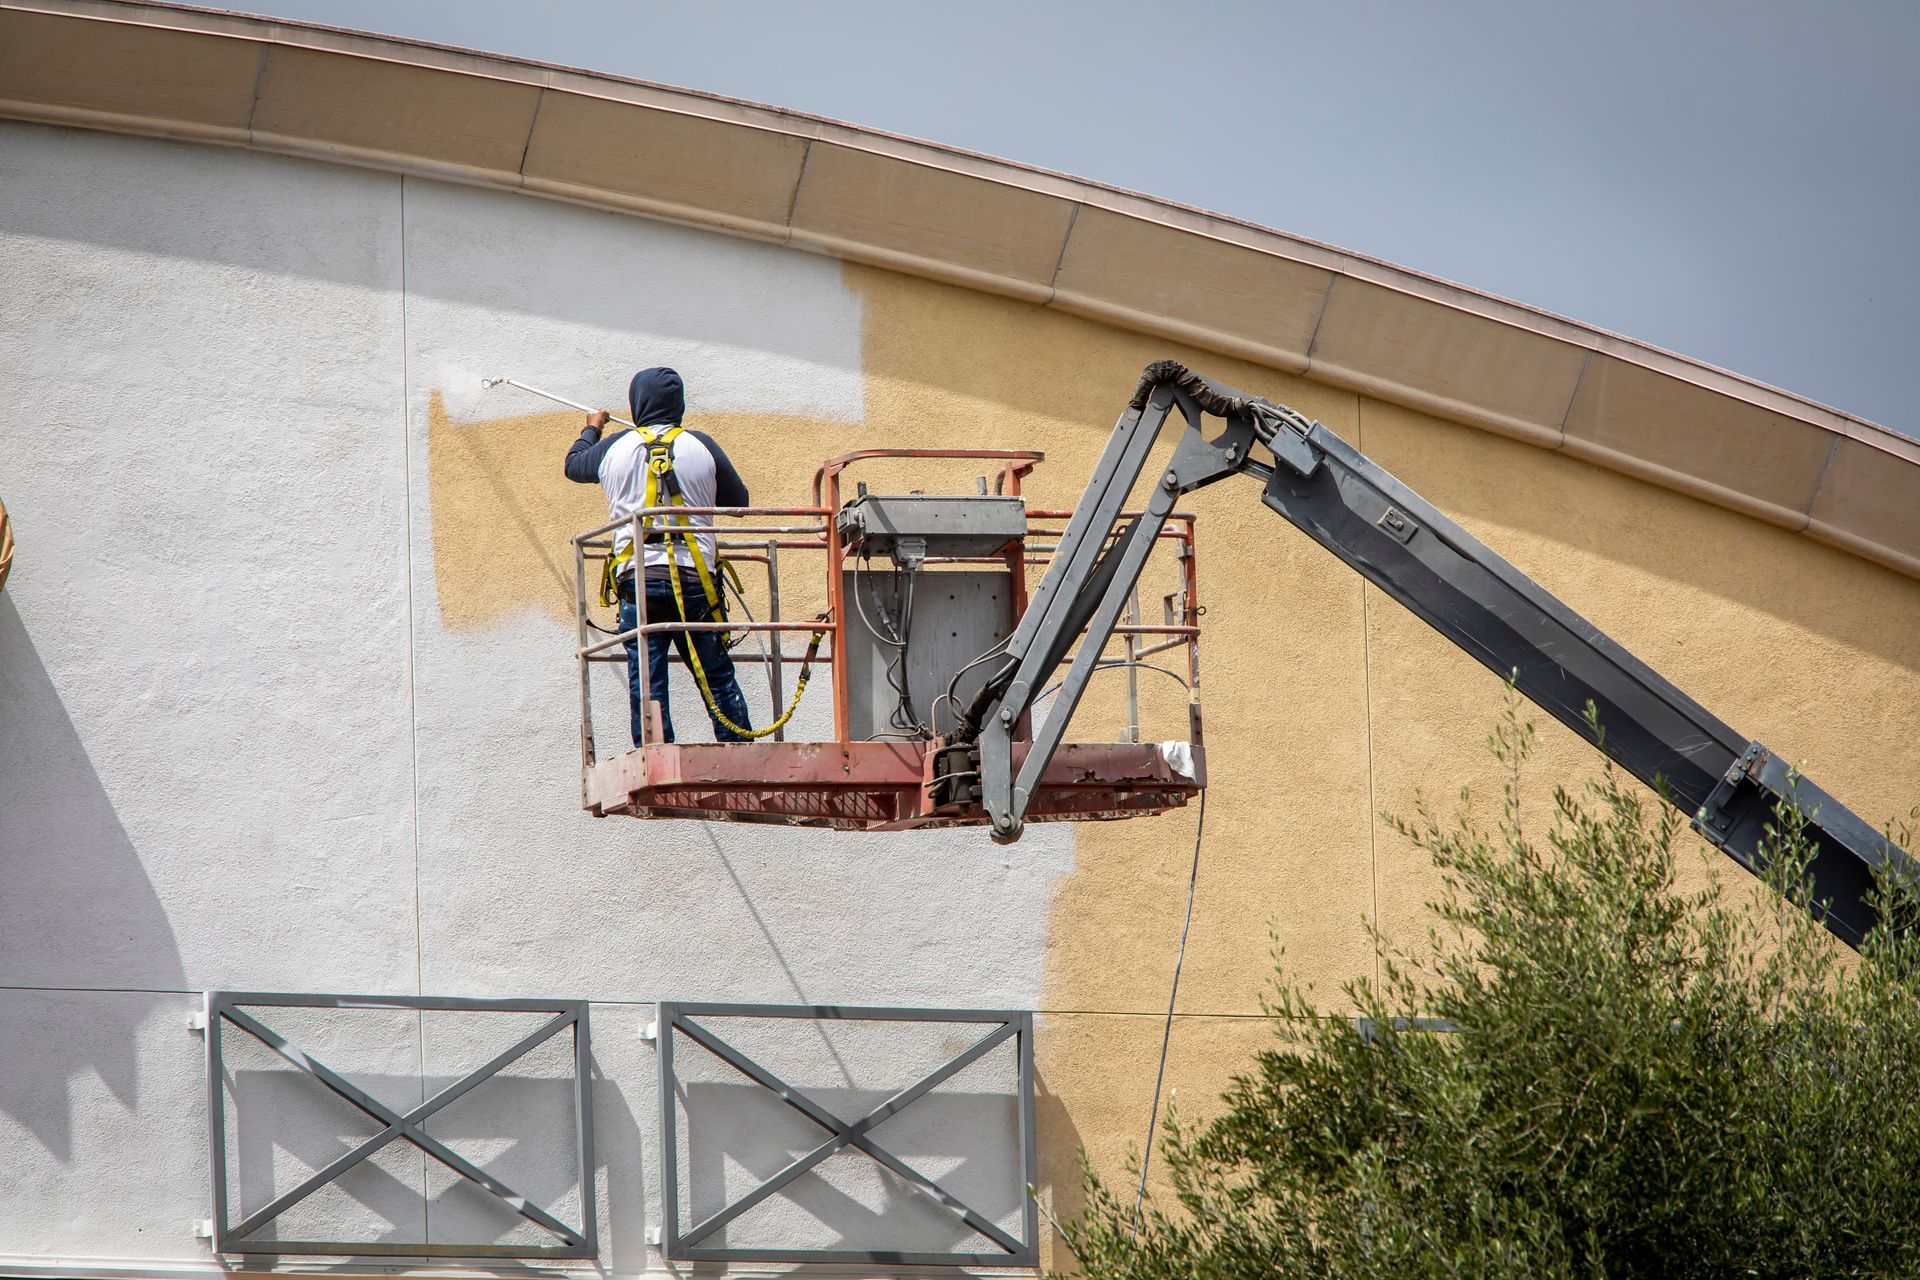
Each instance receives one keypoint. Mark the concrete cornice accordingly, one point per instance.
(956, 216)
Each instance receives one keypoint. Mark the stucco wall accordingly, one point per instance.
(287, 700)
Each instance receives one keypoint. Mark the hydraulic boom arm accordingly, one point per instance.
(1727, 784)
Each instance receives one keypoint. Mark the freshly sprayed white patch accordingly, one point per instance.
(575, 300)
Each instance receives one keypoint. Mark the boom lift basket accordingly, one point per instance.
(918, 591)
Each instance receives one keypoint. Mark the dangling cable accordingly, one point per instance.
(1116, 665)
(1166, 1033)
(732, 583)
(895, 638)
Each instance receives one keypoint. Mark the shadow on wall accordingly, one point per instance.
(77, 909)
(1062, 1189)
(738, 1135)
(260, 213)
(620, 1151)
(285, 215)
(519, 1130)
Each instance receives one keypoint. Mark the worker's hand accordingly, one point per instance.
(597, 419)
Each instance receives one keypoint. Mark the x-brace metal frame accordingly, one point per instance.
(223, 1007)
(843, 1134)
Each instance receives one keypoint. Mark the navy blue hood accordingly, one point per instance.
(656, 397)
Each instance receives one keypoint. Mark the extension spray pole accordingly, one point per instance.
(487, 384)
(684, 530)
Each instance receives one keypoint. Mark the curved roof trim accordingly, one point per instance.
(861, 194)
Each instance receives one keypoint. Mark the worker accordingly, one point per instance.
(706, 478)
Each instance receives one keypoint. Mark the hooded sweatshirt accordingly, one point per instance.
(618, 464)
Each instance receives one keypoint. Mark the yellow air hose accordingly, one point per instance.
(700, 672)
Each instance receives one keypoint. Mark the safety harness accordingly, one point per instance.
(658, 443)
(662, 483)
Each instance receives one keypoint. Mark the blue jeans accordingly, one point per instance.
(714, 659)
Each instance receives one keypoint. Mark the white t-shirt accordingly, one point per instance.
(623, 474)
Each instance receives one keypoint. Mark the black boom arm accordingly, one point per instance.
(1728, 785)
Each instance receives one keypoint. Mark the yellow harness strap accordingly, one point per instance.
(658, 442)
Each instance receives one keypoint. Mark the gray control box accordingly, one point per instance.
(948, 616)
(911, 526)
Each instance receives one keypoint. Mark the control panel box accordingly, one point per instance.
(912, 526)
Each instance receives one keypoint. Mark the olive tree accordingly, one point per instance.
(1634, 1080)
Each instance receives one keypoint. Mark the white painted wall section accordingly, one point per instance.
(239, 749)
(575, 300)
(204, 778)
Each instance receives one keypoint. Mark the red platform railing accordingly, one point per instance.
(847, 783)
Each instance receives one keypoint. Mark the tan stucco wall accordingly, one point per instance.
(443, 694)
(1325, 702)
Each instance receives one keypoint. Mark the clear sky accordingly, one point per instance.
(1736, 180)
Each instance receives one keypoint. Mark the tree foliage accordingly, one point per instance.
(1639, 1080)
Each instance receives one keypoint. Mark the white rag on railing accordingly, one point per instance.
(1179, 757)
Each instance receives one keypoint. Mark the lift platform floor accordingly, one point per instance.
(872, 786)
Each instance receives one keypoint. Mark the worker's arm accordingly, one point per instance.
(583, 458)
(729, 490)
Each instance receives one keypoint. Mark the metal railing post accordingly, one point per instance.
(775, 679)
(642, 658)
(587, 756)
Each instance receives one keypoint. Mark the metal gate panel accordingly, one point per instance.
(685, 1026)
(225, 1009)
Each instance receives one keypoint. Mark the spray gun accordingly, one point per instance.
(488, 384)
